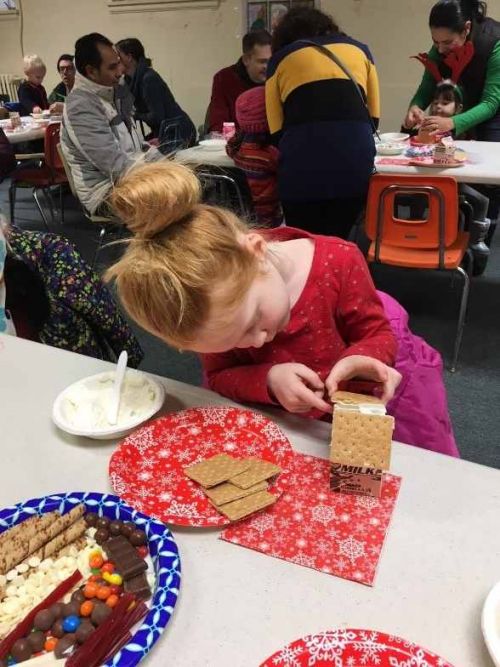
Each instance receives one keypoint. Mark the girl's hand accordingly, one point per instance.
(415, 116)
(366, 368)
(438, 125)
(36, 110)
(297, 388)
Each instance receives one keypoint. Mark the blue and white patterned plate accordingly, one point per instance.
(162, 548)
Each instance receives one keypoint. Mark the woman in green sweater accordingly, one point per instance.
(452, 24)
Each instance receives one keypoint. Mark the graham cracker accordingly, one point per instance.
(227, 492)
(243, 507)
(349, 398)
(257, 472)
(216, 469)
(361, 440)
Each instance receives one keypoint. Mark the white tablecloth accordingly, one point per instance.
(482, 166)
(198, 155)
(237, 606)
(28, 132)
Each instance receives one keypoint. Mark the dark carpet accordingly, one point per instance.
(432, 299)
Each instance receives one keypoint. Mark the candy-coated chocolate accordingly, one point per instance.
(64, 645)
(143, 551)
(90, 590)
(91, 518)
(112, 601)
(101, 536)
(84, 631)
(57, 629)
(115, 579)
(115, 528)
(71, 623)
(103, 592)
(138, 538)
(43, 620)
(108, 567)
(50, 643)
(86, 608)
(100, 613)
(96, 562)
(21, 650)
(36, 640)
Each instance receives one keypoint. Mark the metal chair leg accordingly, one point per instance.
(37, 202)
(12, 201)
(98, 248)
(48, 198)
(61, 203)
(461, 316)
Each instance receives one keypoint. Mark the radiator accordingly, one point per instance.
(9, 84)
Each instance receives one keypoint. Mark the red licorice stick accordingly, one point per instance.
(118, 646)
(24, 627)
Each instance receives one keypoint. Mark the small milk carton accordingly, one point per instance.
(361, 444)
(228, 130)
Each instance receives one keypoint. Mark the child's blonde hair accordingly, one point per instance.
(33, 62)
(182, 250)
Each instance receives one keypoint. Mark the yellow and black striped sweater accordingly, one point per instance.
(317, 118)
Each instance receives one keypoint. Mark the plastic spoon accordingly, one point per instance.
(114, 407)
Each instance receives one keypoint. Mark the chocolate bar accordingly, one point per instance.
(138, 586)
(125, 557)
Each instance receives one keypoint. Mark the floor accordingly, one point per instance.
(431, 300)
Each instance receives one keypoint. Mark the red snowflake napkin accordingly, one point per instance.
(312, 526)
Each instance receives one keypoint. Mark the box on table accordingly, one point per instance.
(361, 444)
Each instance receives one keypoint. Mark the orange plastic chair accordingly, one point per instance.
(435, 242)
(50, 173)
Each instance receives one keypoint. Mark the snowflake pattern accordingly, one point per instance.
(353, 648)
(147, 468)
(321, 529)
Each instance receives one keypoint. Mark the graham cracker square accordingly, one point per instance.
(216, 469)
(257, 471)
(361, 440)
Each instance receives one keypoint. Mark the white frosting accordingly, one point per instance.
(86, 404)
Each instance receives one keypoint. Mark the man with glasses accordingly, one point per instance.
(66, 69)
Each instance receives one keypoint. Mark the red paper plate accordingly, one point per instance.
(339, 648)
(146, 469)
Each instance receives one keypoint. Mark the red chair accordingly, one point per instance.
(49, 174)
(433, 242)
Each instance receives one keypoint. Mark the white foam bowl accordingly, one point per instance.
(490, 623)
(121, 429)
(387, 148)
(393, 137)
(213, 144)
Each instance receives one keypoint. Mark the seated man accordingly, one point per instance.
(230, 82)
(98, 137)
(66, 69)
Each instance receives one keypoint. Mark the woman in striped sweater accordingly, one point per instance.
(323, 128)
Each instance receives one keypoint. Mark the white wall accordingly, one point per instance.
(189, 45)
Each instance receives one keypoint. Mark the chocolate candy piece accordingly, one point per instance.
(139, 587)
(43, 620)
(58, 629)
(102, 522)
(36, 641)
(126, 559)
(21, 650)
(138, 538)
(78, 596)
(64, 645)
(84, 631)
(128, 528)
(91, 518)
(100, 613)
(71, 623)
(58, 608)
(115, 528)
(71, 609)
(101, 536)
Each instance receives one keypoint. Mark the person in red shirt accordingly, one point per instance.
(278, 316)
(230, 82)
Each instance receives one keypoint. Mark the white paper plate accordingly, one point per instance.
(60, 418)
(213, 144)
(394, 137)
(490, 623)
